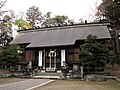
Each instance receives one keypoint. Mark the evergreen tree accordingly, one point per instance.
(56, 20)
(9, 55)
(92, 53)
(110, 10)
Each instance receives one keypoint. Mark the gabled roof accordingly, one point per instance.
(59, 36)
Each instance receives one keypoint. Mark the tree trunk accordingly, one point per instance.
(117, 39)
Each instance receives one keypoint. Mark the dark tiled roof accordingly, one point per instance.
(59, 36)
(23, 38)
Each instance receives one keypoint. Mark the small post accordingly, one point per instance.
(81, 69)
(30, 64)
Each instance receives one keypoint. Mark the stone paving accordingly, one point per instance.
(25, 85)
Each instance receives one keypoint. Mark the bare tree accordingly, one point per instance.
(5, 25)
(2, 4)
(34, 16)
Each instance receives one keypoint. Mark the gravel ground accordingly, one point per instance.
(80, 85)
(73, 84)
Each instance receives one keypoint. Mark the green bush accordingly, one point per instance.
(95, 54)
(10, 56)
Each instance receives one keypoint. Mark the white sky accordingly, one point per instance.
(74, 9)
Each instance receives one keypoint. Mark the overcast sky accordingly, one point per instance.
(74, 9)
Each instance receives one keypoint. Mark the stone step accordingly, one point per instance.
(112, 77)
(46, 77)
(47, 74)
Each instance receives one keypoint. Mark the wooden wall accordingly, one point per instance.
(30, 55)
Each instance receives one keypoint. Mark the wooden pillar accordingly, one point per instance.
(55, 54)
(62, 57)
(44, 60)
(40, 59)
(50, 59)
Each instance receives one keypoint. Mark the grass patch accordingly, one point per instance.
(80, 85)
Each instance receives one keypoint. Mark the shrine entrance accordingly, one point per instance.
(51, 58)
